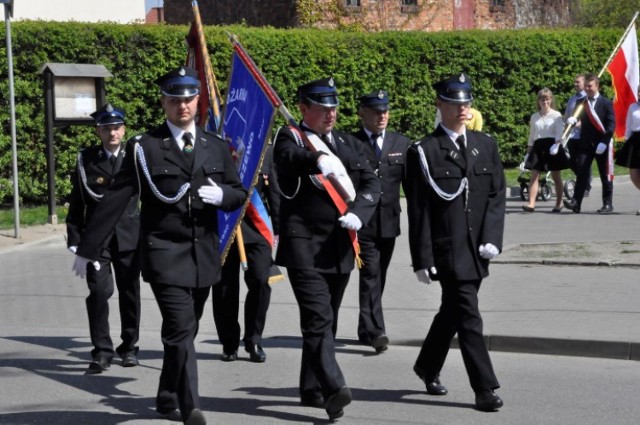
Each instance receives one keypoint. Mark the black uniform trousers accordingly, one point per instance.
(573, 145)
(458, 314)
(100, 283)
(319, 296)
(225, 296)
(376, 256)
(181, 310)
(584, 159)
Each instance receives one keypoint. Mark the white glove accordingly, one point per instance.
(72, 249)
(601, 148)
(572, 121)
(80, 266)
(488, 251)
(423, 275)
(524, 161)
(350, 221)
(211, 194)
(330, 165)
(554, 148)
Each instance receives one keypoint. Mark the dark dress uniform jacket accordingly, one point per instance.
(446, 234)
(385, 222)
(310, 235)
(589, 135)
(179, 241)
(100, 173)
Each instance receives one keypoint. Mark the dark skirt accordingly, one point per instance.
(541, 160)
(629, 155)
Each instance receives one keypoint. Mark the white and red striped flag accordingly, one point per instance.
(624, 74)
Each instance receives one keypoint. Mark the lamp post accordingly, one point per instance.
(8, 13)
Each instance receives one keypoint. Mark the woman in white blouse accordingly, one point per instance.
(629, 155)
(544, 151)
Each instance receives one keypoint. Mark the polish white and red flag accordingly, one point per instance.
(624, 74)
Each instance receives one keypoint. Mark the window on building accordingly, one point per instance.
(496, 5)
(409, 2)
(409, 6)
(352, 2)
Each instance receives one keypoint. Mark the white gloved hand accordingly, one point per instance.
(72, 249)
(524, 161)
(601, 148)
(423, 275)
(330, 165)
(554, 148)
(350, 221)
(80, 266)
(211, 194)
(488, 251)
(572, 121)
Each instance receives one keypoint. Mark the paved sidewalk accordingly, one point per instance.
(565, 284)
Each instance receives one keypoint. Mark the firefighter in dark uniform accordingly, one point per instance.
(385, 152)
(315, 238)
(183, 176)
(258, 245)
(94, 173)
(455, 192)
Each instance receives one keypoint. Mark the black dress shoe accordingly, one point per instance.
(256, 353)
(312, 400)
(169, 413)
(336, 402)
(99, 365)
(230, 357)
(196, 417)
(129, 360)
(572, 205)
(436, 388)
(488, 401)
(380, 343)
(606, 209)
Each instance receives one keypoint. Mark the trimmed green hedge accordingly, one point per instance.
(506, 67)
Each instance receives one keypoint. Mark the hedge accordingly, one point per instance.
(507, 69)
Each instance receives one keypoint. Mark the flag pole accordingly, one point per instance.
(278, 103)
(578, 110)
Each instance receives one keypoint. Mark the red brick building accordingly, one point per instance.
(377, 15)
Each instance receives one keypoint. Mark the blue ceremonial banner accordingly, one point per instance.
(246, 126)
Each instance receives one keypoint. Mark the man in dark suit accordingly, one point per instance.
(317, 238)
(95, 169)
(455, 192)
(258, 242)
(183, 176)
(597, 124)
(385, 152)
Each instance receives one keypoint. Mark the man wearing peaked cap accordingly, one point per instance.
(95, 171)
(385, 152)
(315, 244)
(455, 190)
(183, 176)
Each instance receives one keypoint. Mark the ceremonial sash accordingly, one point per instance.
(593, 117)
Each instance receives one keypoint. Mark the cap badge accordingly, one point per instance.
(182, 72)
(100, 180)
(109, 108)
(331, 83)
(381, 95)
(462, 79)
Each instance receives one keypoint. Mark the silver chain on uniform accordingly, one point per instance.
(464, 183)
(139, 152)
(83, 178)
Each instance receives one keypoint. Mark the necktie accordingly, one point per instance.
(112, 160)
(327, 141)
(188, 143)
(376, 146)
(462, 147)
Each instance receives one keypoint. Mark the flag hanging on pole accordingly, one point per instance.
(624, 74)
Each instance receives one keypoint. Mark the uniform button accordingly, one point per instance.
(195, 240)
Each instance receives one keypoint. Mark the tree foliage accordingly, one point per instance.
(604, 13)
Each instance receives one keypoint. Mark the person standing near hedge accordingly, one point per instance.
(183, 177)
(629, 154)
(385, 152)
(455, 190)
(574, 138)
(544, 151)
(95, 171)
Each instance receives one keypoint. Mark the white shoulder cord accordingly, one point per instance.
(299, 142)
(139, 152)
(83, 179)
(464, 183)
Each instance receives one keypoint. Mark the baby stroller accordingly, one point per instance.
(544, 187)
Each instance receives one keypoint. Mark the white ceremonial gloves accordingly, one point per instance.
(572, 121)
(488, 251)
(211, 194)
(350, 221)
(330, 165)
(72, 249)
(554, 148)
(423, 275)
(80, 266)
(601, 148)
(524, 161)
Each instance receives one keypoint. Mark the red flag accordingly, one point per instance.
(624, 74)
